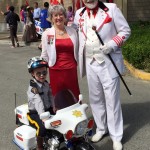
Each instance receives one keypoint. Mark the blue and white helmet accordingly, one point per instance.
(36, 62)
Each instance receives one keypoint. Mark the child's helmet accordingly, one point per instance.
(36, 62)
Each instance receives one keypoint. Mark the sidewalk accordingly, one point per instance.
(5, 39)
(4, 35)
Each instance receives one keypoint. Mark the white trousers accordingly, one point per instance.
(104, 96)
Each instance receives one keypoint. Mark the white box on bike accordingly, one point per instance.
(25, 137)
(21, 112)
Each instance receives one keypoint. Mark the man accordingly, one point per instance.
(103, 80)
(45, 23)
(36, 14)
(37, 11)
(12, 19)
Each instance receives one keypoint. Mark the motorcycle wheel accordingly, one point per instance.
(63, 148)
(84, 146)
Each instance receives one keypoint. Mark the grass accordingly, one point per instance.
(137, 49)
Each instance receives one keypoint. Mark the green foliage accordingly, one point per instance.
(136, 50)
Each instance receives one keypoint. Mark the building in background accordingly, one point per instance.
(133, 10)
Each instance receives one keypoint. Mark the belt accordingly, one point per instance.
(33, 112)
(36, 19)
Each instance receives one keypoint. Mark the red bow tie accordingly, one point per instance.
(95, 10)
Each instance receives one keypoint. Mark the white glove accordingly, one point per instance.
(106, 49)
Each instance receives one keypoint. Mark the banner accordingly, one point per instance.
(39, 30)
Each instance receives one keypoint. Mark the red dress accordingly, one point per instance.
(63, 75)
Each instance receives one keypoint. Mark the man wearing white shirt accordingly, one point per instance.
(37, 11)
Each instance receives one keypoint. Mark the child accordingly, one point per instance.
(39, 96)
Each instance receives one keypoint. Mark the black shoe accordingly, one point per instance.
(17, 44)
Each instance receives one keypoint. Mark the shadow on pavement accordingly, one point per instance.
(136, 115)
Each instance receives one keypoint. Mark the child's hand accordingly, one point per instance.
(44, 120)
(54, 109)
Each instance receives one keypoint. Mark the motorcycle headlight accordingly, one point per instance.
(81, 128)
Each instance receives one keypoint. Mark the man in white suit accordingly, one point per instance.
(103, 80)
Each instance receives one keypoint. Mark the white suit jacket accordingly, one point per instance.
(49, 47)
(113, 30)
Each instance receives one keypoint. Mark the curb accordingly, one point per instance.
(137, 73)
(7, 37)
(6, 40)
(3, 38)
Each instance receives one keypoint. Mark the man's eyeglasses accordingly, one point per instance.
(44, 73)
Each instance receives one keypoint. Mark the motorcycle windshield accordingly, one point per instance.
(63, 99)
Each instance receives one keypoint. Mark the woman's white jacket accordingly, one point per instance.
(49, 46)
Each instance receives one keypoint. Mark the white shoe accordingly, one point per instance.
(97, 137)
(117, 145)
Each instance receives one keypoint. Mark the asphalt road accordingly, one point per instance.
(14, 78)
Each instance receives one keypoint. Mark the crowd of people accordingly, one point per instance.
(98, 30)
(30, 16)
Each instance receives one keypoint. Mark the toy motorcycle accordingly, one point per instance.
(68, 129)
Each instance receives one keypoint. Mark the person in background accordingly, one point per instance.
(107, 21)
(22, 13)
(70, 14)
(45, 23)
(56, 2)
(36, 14)
(22, 16)
(30, 30)
(60, 49)
(40, 97)
(37, 11)
(12, 19)
(32, 10)
(5, 14)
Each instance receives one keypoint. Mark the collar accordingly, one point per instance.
(38, 83)
(95, 10)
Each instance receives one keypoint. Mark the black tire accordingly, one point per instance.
(63, 148)
(83, 146)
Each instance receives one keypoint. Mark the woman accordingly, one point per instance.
(60, 49)
(29, 34)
